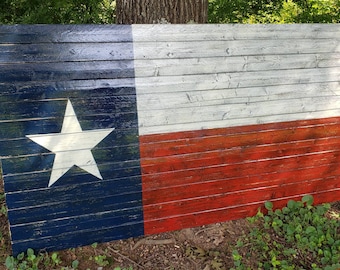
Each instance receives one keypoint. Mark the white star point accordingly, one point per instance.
(72, 146)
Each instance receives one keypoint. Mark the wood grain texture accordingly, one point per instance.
(232, 116)
(42, 69)
(220, 174)
(231, 32)
(210, 121)
(198, 77)
(36, 34)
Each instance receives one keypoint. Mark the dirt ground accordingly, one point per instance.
(206, 247)
(198, 248)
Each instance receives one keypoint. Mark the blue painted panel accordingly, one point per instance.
(80, 204)
(44, 67)
(40, 72)
(33, 34)
(112, 170)
(59, 52)
(85, 237)
(44, 195)
(89, 223)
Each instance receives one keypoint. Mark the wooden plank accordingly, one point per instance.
(165, 33)
(227, 80)
(191, 68)
(203, 123)
(36, 34)
(84, 237)
(108, 202)
(237, 95)
(159, 67)
(43, 68)
(252, 109)
(207, 202)
(170, 50)
(36, 90)
(282, 161)
(59, 52)
(26, 180)
(237, 212)
(66, 71)
(191, 84)
(50, 108)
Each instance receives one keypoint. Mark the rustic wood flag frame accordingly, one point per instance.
(115, 131)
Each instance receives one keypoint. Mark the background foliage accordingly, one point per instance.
(56, 11)
(220, 11)
(274, 11)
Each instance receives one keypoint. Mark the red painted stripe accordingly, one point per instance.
(200, 177)
(223, 214)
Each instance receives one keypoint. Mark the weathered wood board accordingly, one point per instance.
(110, 132)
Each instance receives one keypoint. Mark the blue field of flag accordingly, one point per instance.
(96, 190)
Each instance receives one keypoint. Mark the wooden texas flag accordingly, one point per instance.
(109, 132)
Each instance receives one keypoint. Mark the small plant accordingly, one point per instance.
(24, 261)
(75, 264)
(237, 259)
(298, 236)
(212, 258)
(32, 261)
(101, 260)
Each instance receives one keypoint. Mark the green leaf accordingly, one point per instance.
(291, 204)
(310, 230)
(321, 210)
(21, 256)
(285, 210)
(10, 262)
(308, 200)
(239, 244)
(268, 206)
(267, 219)
(290, 229)
(75, 264)
(30, 252)
(236, 255)
(54, 256)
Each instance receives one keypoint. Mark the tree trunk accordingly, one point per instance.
(161, 11)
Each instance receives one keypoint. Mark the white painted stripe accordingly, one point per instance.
(190, 77)
(194, 32)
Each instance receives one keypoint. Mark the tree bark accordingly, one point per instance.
(161, 11)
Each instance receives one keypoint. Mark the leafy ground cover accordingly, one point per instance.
(299, 236)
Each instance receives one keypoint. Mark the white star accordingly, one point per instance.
(72, 146)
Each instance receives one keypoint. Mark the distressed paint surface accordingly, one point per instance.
(42, 69)
(232, 116)
(72, 146)
(203, 123)
(191, 178)
(233, 75)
